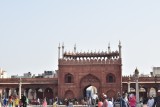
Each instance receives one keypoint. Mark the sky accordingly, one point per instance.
(31, 30)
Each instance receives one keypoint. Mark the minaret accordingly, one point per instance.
(75, 48)
(59, 51)
(1, 72)
(62, 49)
(109, 48)
(120, 54)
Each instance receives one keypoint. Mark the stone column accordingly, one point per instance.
(129, 84)
(20, 86)
(137, 87)
(10, 92)
(129, 87)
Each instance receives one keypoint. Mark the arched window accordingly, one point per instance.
(110, 78)
(68, 78)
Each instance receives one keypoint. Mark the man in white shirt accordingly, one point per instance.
(110, 103)
(150, 102)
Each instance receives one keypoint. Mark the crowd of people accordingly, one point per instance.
(14, 101)
(124, 100)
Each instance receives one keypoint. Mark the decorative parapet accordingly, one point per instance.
(79, 55)
(81, 58)
(88, 61)
(126, 79)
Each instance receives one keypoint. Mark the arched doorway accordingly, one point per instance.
(111, 94)
(31, 94)
(69, 94)
(89, 91)
(152, 92)
(89, 82)
(7, 92)
(48, 93)
(39, 93)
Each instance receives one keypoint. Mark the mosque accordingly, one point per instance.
(82, 74)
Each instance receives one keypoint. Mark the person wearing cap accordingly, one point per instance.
(105, 101)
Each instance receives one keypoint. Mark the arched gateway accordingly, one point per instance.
(79, 70)
(88, 81)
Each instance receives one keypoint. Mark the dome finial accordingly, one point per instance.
(109, 48)
(136, 71)
(74, 48)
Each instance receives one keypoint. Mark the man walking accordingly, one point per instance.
(105, 101)
(24, 101)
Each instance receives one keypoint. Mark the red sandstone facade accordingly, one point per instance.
(77, 71)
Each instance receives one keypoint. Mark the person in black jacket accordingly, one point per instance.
(23, 99)
(124, 101)
(157, 100)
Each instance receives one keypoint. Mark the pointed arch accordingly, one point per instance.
(132, 89)
(152, 92)
(39, 92)
(87, 81)
(111, 93)
(110, 78)
(48, 93)
(31, 93)
(69, 94)
(89, 91)
(69, 78)
(142, 89)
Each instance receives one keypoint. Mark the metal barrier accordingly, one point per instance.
(116, 104)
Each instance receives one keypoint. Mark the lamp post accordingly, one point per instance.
(20, 85)
(129, 80)
(137, 87)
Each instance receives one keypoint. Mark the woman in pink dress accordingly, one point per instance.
(44, 102)
(132, 100)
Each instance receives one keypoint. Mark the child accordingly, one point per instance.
(44, 103)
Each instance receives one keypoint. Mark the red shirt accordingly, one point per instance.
(132, 101)
(100, 104)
